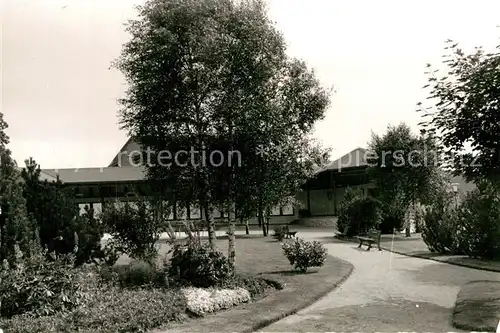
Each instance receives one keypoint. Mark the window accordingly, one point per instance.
(287, 209)
(275, 211)
(217, 213)
(97, 207)
(168, 210)
(181, 213)
(82, 208)
(194, 212)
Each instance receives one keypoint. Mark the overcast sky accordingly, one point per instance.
(59, 95)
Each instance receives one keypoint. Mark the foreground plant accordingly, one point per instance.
(202, 301)
(303, 254)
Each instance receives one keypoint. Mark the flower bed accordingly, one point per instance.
(201, 301)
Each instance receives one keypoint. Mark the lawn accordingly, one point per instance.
(111, 309)
(478, 306)
(415, 246)
(263, 256)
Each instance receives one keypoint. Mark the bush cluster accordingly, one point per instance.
(201, 301)
(135, 230)
(110, 310)
(198, 265)
(471, 228)
(280, 232)
(41, 284)
(303, 254)
(358, 212)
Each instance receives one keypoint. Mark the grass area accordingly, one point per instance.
(414, 246)
(111, 309)
(478, 306)
(264, 257)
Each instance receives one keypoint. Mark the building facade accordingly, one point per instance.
(122, 181)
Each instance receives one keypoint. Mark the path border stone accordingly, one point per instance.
(447, 259)
(311, 301)
(443, 260)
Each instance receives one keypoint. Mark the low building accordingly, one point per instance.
(122, 181)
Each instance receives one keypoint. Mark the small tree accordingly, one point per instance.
(404, 168)
(57, 218)
(15, 225)
(134, 229)
(465, 111)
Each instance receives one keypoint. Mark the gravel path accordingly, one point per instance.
(386, 293)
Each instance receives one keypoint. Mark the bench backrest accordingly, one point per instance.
(375, 234)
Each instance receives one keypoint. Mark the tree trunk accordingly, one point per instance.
(261, 222)
(231, 227)
(209, 218)
(268, 219)
(408, 222)
(247, 229)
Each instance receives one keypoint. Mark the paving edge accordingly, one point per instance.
(419, 256)
(443, 261)
(313, 300)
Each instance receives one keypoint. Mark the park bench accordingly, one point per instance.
(371, 237)
(289, 234)
(342, 234)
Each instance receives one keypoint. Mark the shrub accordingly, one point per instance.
(255, 285)
(358, 212)
(439, 229)
(202, 301)
(303, 254)
(392, 218)
(57, 218)
(39, 286)
(135, 230)
(478, 223)
(344, 219)
(198, 265)
(280, 232)
(111, 310)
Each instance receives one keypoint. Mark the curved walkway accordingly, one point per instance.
(387, 292)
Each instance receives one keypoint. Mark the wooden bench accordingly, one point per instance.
(371, 237)
(342, 234)
(288, 233)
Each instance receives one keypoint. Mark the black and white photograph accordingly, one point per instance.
(249, 166)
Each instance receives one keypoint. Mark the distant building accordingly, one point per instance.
(121, 181)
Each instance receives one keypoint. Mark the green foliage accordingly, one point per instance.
(466, 110)
(405, 169)
(358, 212)
(256, 286)
(472, 228)
(280, 232)
(440, 228)
(138, 273)
(478, 227)
(225, 83)
(344, 219)
(392, 218)
(198, 265)
(15, 225)
(110, 310)
(303, 254)
(57, 217)
(39, 285)
(135, 230)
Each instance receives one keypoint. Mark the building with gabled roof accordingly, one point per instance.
(123, 181)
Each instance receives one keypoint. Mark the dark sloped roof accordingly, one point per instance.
(122, 157)
(353, 159)
(98, 175)
(43, 175)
